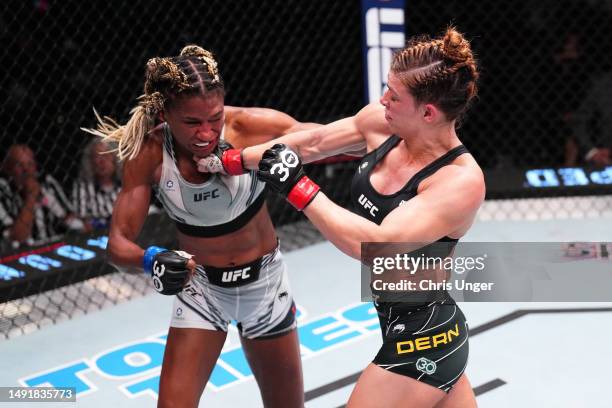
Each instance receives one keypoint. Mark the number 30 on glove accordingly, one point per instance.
(281, 168)
(168, 269)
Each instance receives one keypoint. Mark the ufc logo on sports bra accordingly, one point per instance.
(233, 276)
(206, 195)
(367, 204)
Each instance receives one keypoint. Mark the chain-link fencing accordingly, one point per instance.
(542, 64)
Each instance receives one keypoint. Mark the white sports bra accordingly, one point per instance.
(221, 205)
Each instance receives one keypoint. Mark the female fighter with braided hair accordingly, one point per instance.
(230, 266)
(416, 183)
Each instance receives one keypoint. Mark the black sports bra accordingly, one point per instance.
(374, 206)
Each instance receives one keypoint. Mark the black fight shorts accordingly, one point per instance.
(429, 344)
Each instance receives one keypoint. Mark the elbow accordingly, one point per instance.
(350, 248)
(113, 253)
(356, 252)
(353, 249)
(19, 234)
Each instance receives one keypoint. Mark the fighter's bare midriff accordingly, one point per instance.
(252, 241)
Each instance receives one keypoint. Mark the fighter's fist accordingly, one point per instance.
(169, 270)
(281, 168)
(225, 160)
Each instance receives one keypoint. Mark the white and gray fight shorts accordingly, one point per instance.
(256, 295)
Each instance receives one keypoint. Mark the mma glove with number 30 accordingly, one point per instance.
(168, 269)
(281, 168)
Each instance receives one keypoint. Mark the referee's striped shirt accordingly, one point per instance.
(49, 213)
(93, 201)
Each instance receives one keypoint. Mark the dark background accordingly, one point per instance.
(60, 59)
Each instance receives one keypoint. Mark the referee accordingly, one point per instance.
(33, 210)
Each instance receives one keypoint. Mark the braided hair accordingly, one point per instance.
(193, 72)
(441, 71)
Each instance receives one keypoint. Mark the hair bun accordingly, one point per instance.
(455, 46)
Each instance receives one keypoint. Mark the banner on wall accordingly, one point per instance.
(383, 33)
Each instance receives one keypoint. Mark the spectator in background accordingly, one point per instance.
(567, 91)
(592, 122)
(576, 100)
(33, 209)
(95, 191)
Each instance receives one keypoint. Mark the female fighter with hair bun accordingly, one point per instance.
(416, 183)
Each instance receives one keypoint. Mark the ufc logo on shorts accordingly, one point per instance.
(289, 160)
(367, 204)
(233, 276)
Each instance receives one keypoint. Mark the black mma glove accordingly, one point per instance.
(281, 168)
(225, 159)
(168, 269)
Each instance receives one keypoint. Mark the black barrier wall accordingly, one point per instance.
(540, 61)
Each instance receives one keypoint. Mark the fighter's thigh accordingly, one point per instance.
(461, 395)
(277, 367)
(189, 358)
(378, 387)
